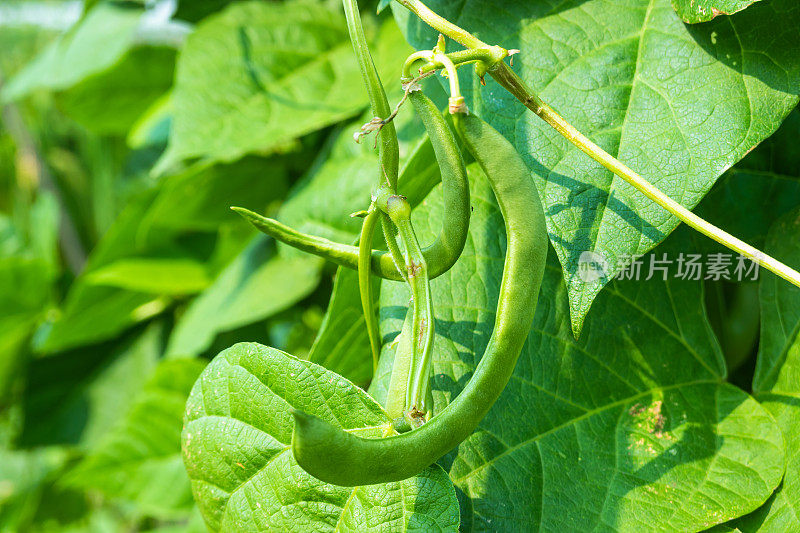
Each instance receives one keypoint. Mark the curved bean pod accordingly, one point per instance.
(359, 461)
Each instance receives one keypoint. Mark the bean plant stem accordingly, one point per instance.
(442, 25)
(517, 87)
(388, 148)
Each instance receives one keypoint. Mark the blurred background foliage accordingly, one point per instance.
(128, 129)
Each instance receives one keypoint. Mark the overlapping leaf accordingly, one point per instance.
(95, 44)
(260, 74)
(254, 286)
(630, 428)
(679, 104)
(777, 380)
(236, 446)
(140, 459)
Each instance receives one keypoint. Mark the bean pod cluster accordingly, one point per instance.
(419, 437)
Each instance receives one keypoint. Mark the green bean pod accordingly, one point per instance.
(341, 458)
(401, 368)
(417, 389)
(446, 249)
(442, 253)
(365, 284)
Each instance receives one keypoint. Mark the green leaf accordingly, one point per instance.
(110, 102)
(195, 10)
(156, 275)
(383, 4)
(777, 379)
(139, 461)
(259, 74)
(678, 104)
(254, 286)
(24, 293)
(630, 428)
(200, 197)
(693, 11)
(768, 176)
(236, 446)
(94, 314)
(22, 478)
(95, 44)
(342, 345)
(76, 396)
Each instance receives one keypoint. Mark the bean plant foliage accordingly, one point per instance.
(164, 365)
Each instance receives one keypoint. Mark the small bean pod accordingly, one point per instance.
(341, 458)
(417, 389)
(365, 284)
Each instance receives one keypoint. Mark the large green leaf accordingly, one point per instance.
(139, 461)
(110, 102)
(777, 379)
(630, 428)
(95, 44)
(76, 396)
(260, 74)
(236, 446)
(156, 275)
(694, 11)
(679, 104)
(254, 286)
